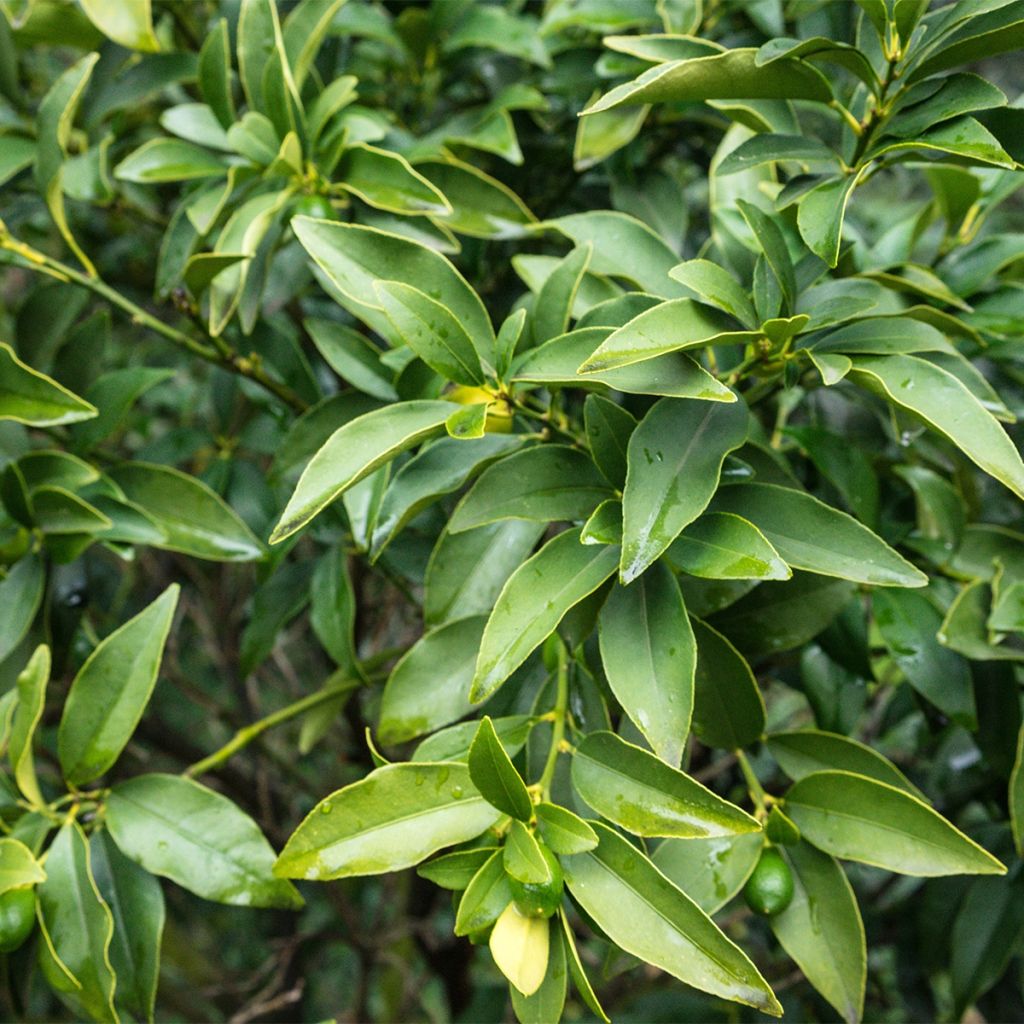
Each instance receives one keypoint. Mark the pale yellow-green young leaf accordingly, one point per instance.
(128, 22)
(519, 945)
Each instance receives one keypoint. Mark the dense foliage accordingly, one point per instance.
(613, 518)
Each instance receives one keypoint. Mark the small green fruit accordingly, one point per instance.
(17, 918)
(315, 206)
(769, 889)
(540, 899)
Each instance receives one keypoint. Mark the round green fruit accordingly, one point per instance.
(17, 918)
(769, 889)
(540, 899)
(315, 206)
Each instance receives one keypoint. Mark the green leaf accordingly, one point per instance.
(354, 451)
(649, 657)
(494, 775)
(532, 603)
(467, 571)
(964, 138)
(53, 131)
(453, 743)
(431, 331)
(523, 858)
(17, 154)
(176, 828)
(822, 931)
(441, 468)
(303, 33)
(111, 690)
(720, 546)
(986, 34)
(18, 868)
(563, 831)
(622, 247)
(634, 789)
(32, 398)
(608, 427)
(392, 819)
(333, 609)
(776, 252)
(544, 483)
(674, 375)
(856, 818)
(388, 182)
(455, 870)
(196, 520)
(353, 258)
(710, 871)
(883, 336)
(728, 710)
(481, 206)
(79, 925)
(486, 896)
(553, 305)
(128, 22)
(821, 213)
(416, 700)
(958, 94)
(113, 394)
(1016, 796)
(804, 751)
(645, 914)
(909, 624)
(946, 405)
(136, 904)
(162, 160)
(215, 73)
(28, 712)
(824, 49)
(769, 148)
(675, 460)
(668, 327)
(734, 74)
(715, 286)
(21, 593)
(815, 537)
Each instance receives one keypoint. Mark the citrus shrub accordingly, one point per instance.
(485, 485)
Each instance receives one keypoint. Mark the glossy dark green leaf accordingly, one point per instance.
(354, 451)
(533, 602)
(275, 603)
(353, 258)
(728, 708)
(136, 904)
(649, 656)
(821, 214)
(857, 818)
(79, 925)
(909, 625)
(333, 608)
(945, 404)
(1015, 796)
(546, 482)
(215, 73)
(554, 302)
(111, 690)
(646, 915)
(495, 776)
(822, 931)
(720, 545)
(394, 818)
(730, 75)
(762, 149)
(562, 830)
(181, 830)
(710, 871)
(675, 459)
(608, 427)
(636, 790)
(669, 327)
(481, 206)
(815, 537)
(804, 751)
(21, 592)
(523, 857)
(353, 357)
(486, 896)
(387, 181)
(32, 398)
(197, 522)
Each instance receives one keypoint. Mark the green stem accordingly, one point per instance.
(557, 724)
(757, 794)
(218, 353)
(245, 736)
